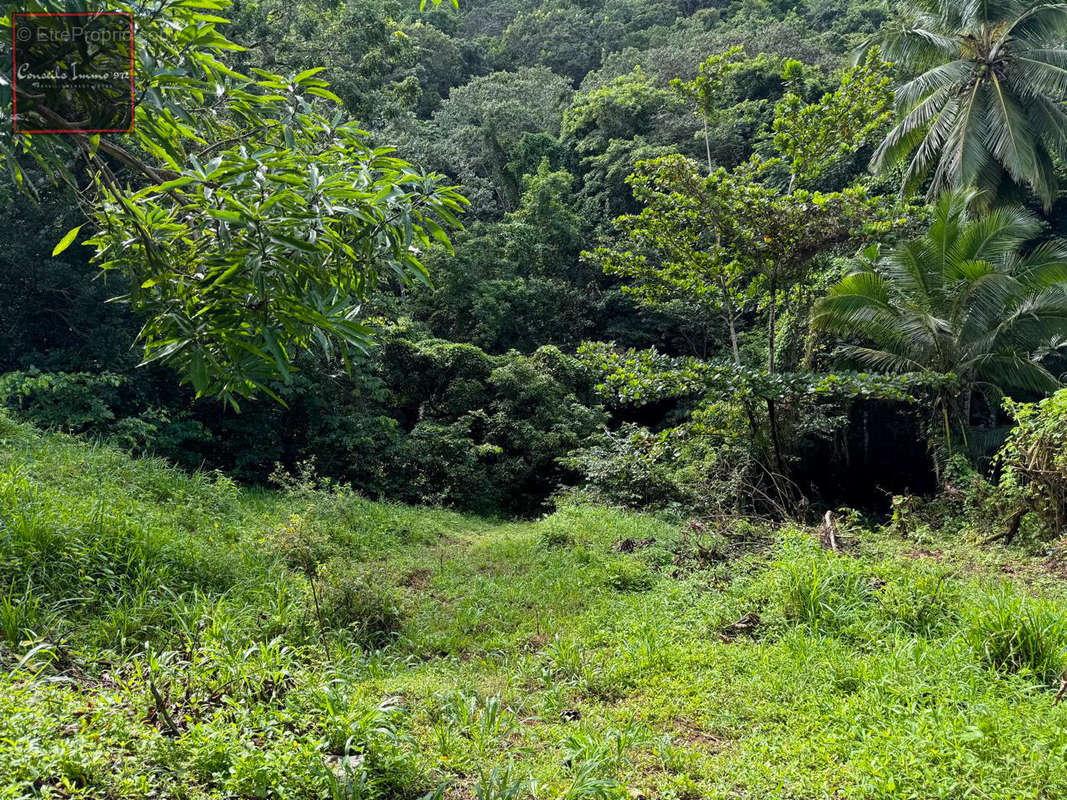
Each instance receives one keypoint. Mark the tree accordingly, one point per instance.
(706, 89)
(813, 137)
(250, 221)
(616, 125)
(983, 106)
(560, 36)
(673, 250)
(366, 55)
(966, 297)
(720, 241)
(483, 123)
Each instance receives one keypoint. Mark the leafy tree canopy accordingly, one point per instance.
(250, 221)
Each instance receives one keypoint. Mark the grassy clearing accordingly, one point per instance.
(175, 636)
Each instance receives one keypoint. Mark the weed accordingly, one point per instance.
(501, 784)
(1014, 633)
(23, 616)
(359, 600)
(924, 604)
(823, 591)
(629, 575)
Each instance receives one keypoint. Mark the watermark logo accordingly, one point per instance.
(73, 72)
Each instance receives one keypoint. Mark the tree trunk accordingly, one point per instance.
(707, 142)
(733, 339)
(772, 412)
(772, 320)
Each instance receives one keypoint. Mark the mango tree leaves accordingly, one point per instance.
(250, 220)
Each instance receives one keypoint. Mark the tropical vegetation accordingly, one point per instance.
(600, 399)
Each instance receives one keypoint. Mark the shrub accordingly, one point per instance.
(631, 467)
(1034, 464)
(485, 433)
(68, 401)
(1012, 633)
(629, 575)
(303, 544)
(354, 598)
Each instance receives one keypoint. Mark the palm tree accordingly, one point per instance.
(965, 297)
(983, 107)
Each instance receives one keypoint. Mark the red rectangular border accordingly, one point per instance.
(14, 71)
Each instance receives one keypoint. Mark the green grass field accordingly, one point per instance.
(166, 635)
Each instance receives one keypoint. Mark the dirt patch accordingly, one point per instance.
(418, 578)
(463, 790)
(707, 543)
(748, 626)
(922, 552)
(692, 735)
(536, 642)
(1056, 565)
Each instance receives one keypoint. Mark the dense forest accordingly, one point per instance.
(490, 385)
(410, 382)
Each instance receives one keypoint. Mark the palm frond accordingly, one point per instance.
(943, 76)
(881, 360)
(918, 48)
(1040, 24)
(998, 234)
(1009, 136)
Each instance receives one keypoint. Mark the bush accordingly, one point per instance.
(629, 575)
(1034, 465)
(1012, 633)
(487, 433)
(356, 599)
(68, 401)
(632, 467)
(420, 421)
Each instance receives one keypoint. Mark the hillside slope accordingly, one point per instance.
(161, 638)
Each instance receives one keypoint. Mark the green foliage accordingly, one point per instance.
(75, 402)
(812, 138)
(231, 302)
(963, 298)
(644, 376)
(981, 106)
(612, 128)
(482, 126)
(484, 432)
(358, 600)
(1033, 464)
(264, 225)
(632, 467)
(368, 55)
(825, 592)
(628, 575)
(925, 605)
(1013, 633)
(713, 452)
(706, 89)
(705, 240)
(561, 36)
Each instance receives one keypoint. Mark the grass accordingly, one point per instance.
(168, 635)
